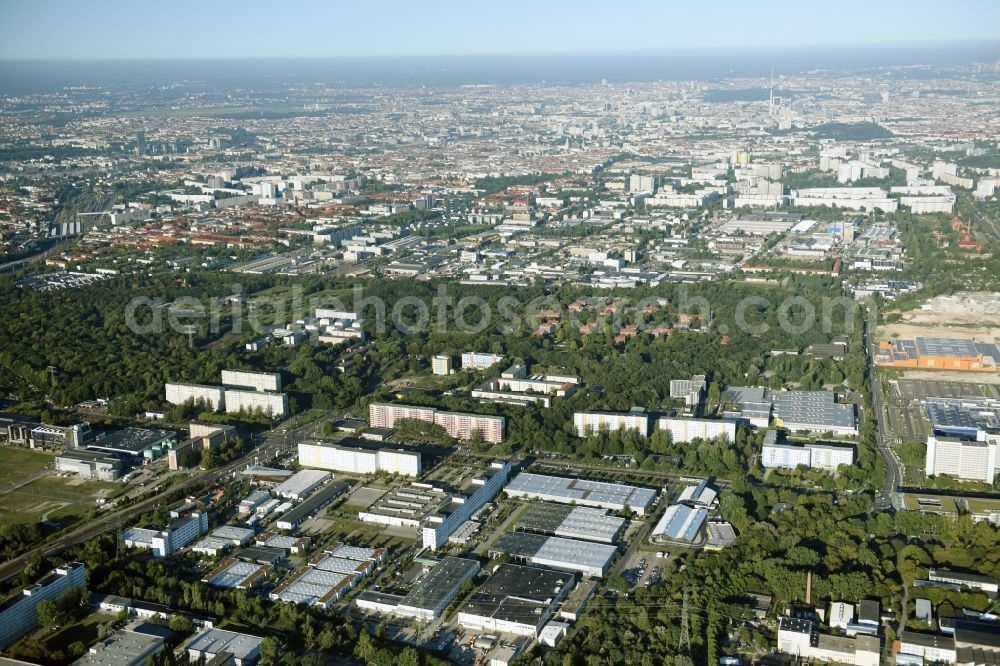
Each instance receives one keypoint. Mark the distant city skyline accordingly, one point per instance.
(114, 29)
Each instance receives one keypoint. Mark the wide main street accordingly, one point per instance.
(893, 468)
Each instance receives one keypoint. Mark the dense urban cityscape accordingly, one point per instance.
(324, 362)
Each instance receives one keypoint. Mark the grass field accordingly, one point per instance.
(84, 631)
(62, 500)
(16, 465)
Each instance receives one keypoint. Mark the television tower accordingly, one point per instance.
(770, 97)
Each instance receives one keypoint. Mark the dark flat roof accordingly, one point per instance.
(315, 502)
(517, 594)
(544, 517)
(131, 440)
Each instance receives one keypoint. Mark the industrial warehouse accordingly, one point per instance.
(516, 600)
(572, 522)
(430, 596)
(320, 499)
(613, 496)
(586, 557)
(328, 576)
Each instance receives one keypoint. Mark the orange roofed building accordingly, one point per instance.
(938, 354)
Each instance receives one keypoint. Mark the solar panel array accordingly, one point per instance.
(967, 414)
(952, 347)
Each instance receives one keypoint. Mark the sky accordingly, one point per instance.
(143, 29)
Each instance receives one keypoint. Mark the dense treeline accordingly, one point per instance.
(853, 554)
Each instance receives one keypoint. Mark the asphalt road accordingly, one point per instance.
(893, 467)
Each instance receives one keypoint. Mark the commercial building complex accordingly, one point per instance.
(684, 522)
(243, 649)
(937, 354)
(515, 600)
(851, 198)
(797, 411)
(89, 464)
(135, 445)
(584, 492)
(680, 523)
(328, 576)
(967, 418)
(236, 574)
(300, 484)
(964, 439)
(814, 411)
(438, 512)
(19, 613)
(176, 535)
(359, 459)
(456, 424)
(406, 506)
(124, 647)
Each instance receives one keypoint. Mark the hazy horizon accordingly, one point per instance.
(116, 29)
(622, 66)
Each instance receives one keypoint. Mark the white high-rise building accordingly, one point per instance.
(640, 183)
(359, 460)
(817, 456)
(685, 430)
(441, 365)
(594, 422)
(274, 405)
(212, 396)
(970, 460)
(260, 381)
(19, 614)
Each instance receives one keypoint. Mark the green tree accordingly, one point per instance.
(270, 651)
(48, 612)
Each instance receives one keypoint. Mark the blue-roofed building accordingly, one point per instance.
(680, 523)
